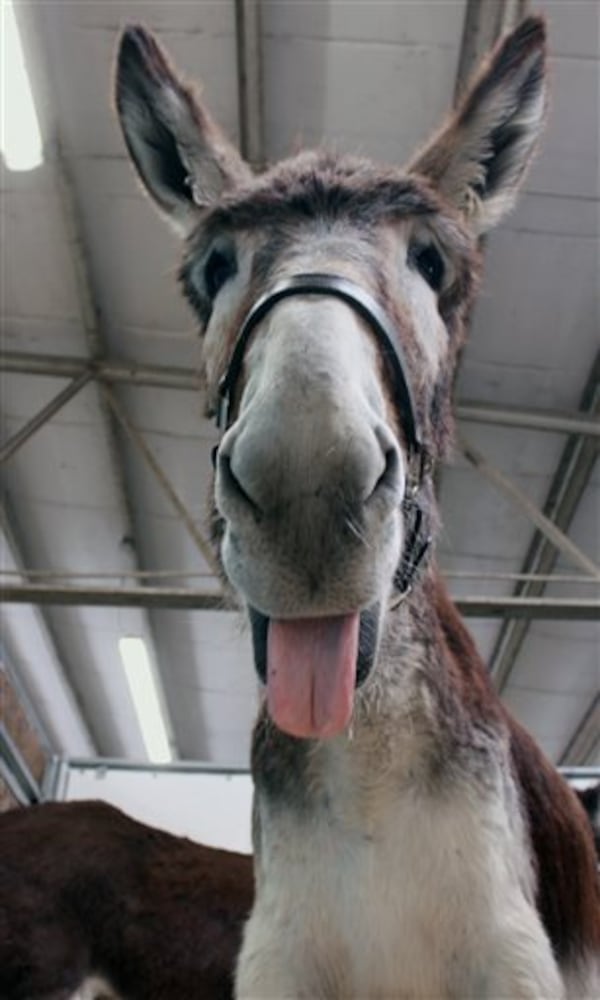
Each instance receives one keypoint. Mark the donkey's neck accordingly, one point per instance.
(429, 700)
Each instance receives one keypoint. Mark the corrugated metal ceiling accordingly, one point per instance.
(87, 272)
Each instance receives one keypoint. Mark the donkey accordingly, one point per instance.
(96, 906)
(410, 839)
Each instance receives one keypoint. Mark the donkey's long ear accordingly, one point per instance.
(478, 160)
(181, 156)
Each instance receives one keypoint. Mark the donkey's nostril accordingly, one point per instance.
(390, 476)
(231, 485)
(390, 479)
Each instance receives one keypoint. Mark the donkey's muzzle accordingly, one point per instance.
(254, 471)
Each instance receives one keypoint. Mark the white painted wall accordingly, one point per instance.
(211, 808)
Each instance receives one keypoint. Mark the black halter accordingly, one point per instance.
(417, 536)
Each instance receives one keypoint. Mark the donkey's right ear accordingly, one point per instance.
(183, 159)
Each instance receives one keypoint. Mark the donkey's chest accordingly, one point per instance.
(399, 904)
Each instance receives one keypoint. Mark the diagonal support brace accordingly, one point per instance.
(163, 480)
(557, 537)
(39, 419)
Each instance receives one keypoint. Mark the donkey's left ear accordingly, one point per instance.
(479, 159)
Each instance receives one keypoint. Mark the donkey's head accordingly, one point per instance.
(332, 296)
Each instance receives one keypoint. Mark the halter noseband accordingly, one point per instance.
(417, 536)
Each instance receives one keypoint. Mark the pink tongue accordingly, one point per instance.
(311, 670)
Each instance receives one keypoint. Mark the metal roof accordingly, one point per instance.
(87, 276)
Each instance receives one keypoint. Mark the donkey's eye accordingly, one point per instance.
(219, 268)
(427, 259)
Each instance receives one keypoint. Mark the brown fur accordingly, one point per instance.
(86, 890)
(563, 849)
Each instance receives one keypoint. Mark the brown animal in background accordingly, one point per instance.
(411, 841)
(96, 905)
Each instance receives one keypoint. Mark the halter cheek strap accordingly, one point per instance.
(417, 534)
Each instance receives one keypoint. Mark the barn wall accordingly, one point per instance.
(21, 729)
(7, 799)
(211, 807)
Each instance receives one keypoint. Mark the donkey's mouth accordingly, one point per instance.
(311, 667)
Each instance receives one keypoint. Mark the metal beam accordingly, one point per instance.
(528, 608)
(250, 83)
(113, 370)
(586, 737)
(536, 420)
(584, 609)
(183, 598)
(553, 534)
(110, 370)
(485, 21)
(580, 773)
(43, 415)
(134, 766)
(568, 484)
(193, 767)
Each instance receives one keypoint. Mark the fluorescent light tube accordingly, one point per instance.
(20, 137)
(146, 698)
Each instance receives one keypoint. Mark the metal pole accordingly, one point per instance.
(250, 89)
(15, 770)
(39, 419)
(78, 253)
(585, 738)
(540, 420)
(543, 523)
(182, 598)
(191, 767)
(580, 773)
(165, 377)
(112, 370)
(485, 21)
(196, 767)
(162, 479)
(583, 609)
(572, 608)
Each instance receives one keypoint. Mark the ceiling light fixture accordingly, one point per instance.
(143, 687)
(20, 137)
